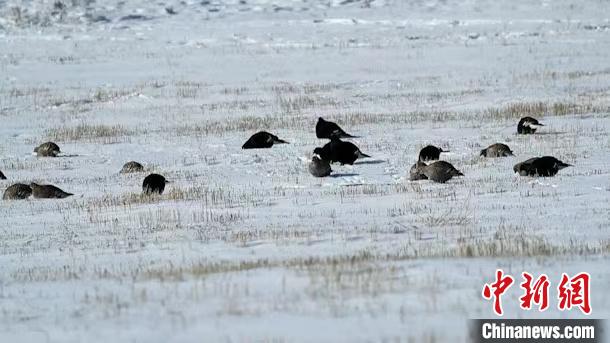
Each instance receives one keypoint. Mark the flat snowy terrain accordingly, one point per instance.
(245, 245)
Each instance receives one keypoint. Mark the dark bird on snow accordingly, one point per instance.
(132, 167)
(48, 192)
(540, 166)
(339, 151)
(154, 183)
(417, 171)
(319, 167)
(48, 149)
(528, 125)
(262, 139)
(2, 177)
(17, 191)
(430, 153)
(440, 171)
(523, 168)
(497, 150)
(328, 129)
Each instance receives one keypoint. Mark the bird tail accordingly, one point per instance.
(483, 153)
(564, 165)
(362, 155)
(459, 173)
(280, 141)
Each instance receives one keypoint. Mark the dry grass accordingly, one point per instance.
(505, 245)
(305, 122)
(90, 133)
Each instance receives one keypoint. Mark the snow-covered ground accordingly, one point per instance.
(245, 245)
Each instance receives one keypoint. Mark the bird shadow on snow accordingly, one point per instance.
(544, 133)
(541, 133)
(344, 175)
(370, 162)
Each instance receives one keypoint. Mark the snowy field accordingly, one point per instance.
(245, 245)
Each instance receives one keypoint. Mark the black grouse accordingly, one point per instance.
(528, 125)
(328, 129)
(261, 140)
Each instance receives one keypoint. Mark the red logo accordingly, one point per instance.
(574, 292)
(538, 294)
(499, 287)
(571, 292)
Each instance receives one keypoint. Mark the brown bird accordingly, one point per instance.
(48, 192)
(417, 173)
(497, 150)
(132, 167)
(440, 171)
(48, 149)
(17, 191)
(319, 167)
(522, 168)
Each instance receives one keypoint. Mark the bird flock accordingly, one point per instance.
(428, 165)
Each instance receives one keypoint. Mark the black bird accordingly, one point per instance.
(528, 125)
(319, 167)
(339, 151)
(328, 129)
(2, 177)
(48, 192)
(497, 150)
(262, 139)
(540, 166)
(417, 171)
(17, 191)
(48, 149)
(440, 171)
(430, 153)
(154, 183)
(132, 167)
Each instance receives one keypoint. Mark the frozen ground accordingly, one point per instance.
(246, 245)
